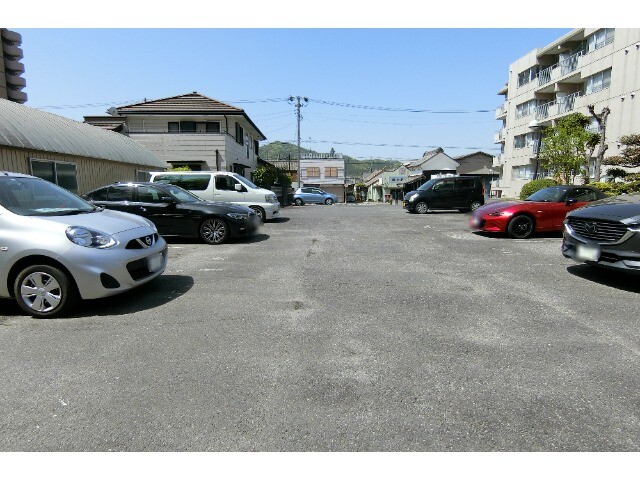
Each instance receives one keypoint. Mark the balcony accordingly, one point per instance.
(11, 36)
(12, 51)
(15, 80)
(14, 66)
(501, 111)
(499, 136)
(16, 96)
(556, 107)
(498, 160)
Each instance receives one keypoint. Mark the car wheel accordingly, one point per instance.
(422, 207)
(44, 291)
(298, 201)
(328, 201)
(520, 226)
(214, 231)
(260, 213)
(475, 205)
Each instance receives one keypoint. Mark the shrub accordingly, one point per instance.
(534, 185)
(607, 188)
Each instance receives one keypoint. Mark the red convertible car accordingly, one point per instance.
(543, 211)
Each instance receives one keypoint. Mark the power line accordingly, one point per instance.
(391, 145)
(393, 109)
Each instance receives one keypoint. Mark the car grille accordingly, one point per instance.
(143, 242)
(601, 231)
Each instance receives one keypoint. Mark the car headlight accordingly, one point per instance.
(271, 199)
(90, 238)
(151, 224)
(498, 214)
(634, 227)
(413, 197)
(238, 216)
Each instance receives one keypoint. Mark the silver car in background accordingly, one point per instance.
(56, 248)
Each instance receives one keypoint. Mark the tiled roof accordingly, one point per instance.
(188, 103)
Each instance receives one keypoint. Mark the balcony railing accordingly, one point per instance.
(544, 76)
(501, 111)
(566, 104)
(568, 65)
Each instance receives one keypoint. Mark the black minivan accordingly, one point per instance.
(448, 193)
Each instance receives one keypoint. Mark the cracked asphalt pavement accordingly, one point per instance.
(337, 328)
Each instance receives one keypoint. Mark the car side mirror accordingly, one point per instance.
(167, 199)
(570, 201)
(239, 187)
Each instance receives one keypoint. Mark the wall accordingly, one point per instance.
(91, 173)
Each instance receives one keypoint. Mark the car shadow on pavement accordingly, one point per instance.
(154, 294)
(610, 278)
(278, 220)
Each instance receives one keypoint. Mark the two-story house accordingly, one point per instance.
(190, 130)
(325, 171)
(587, 66)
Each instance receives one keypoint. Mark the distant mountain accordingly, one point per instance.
(353, 168)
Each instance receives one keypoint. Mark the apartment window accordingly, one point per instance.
(599, 39)
(526, 108)
(528, 75)
(61, 173)
(524, 172)
(521, 141)
(313, 172)
(597, 82)
(239, 134)
(331, 172)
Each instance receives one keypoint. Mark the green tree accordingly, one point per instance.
(267, 175)
(180, 169)
(630, 156)
(567, 147)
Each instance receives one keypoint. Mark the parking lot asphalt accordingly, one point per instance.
(337, 328)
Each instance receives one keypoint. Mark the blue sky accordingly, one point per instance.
(363, 65)
(75, 72)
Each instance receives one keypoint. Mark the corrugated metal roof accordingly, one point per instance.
(24, 127)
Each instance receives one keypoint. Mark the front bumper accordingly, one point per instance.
(487, 223)
(272, 211)
(624, 256)
(104, 272)
(240, 228)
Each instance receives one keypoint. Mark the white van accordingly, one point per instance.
(228, 187)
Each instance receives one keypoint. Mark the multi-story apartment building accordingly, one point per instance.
(11, 68)
(190, 130)
(587, 66)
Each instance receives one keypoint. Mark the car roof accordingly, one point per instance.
(4, 173)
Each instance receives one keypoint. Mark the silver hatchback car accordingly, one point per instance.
(56, 248)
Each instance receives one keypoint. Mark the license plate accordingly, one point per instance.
(588, 253)
(154, 262)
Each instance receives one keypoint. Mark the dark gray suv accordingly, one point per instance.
(605, 233)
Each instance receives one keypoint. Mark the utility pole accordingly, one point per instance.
(298, 105)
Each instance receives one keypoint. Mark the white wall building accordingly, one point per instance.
(587, 66)
(190, 130)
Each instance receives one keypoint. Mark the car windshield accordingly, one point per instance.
(36, 197)
(428, 185)
(245, 181)
(549, 194)
(183, 195)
